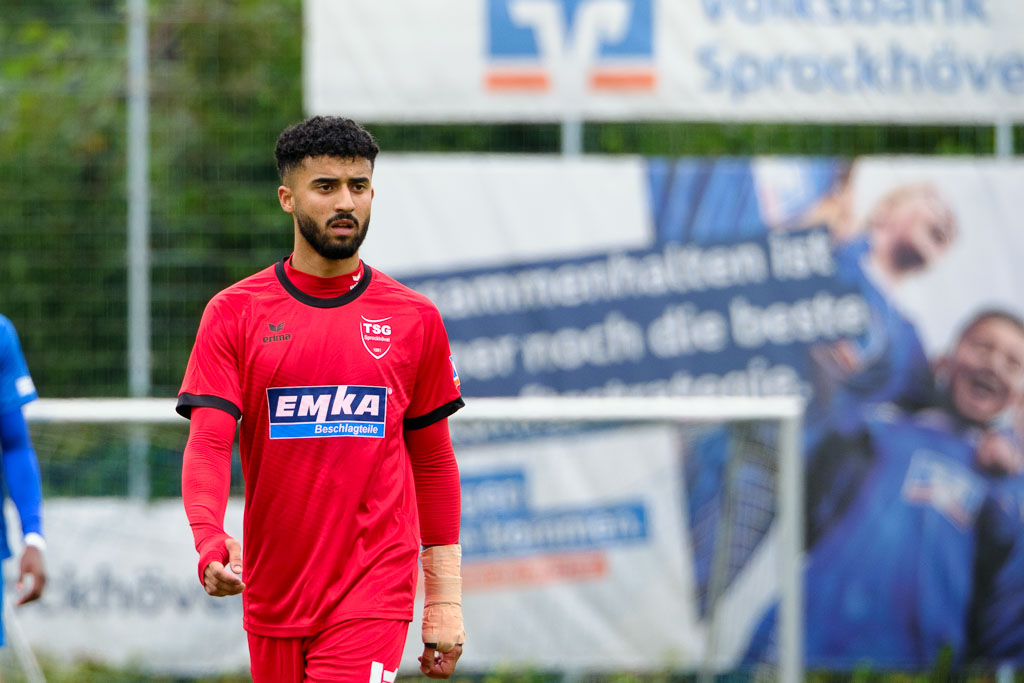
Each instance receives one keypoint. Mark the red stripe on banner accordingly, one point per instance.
(518, 80)
(622, 79)
(535, 570)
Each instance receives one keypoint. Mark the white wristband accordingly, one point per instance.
(34, 540)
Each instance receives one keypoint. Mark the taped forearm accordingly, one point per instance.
(206, 481)
(442, 603)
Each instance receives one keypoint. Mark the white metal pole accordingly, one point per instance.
(572, 136)
(1004, 137)
(791, 543)
(139, 361)
(138, 201)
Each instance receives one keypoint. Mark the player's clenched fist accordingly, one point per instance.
(437, 664)
(443, 634)
(220, 580)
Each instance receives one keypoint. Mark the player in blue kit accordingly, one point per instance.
(996, 627)
(20, 468)
(897, 510)
(906, 232)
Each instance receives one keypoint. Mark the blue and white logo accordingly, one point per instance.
(315, 412)
(598, 44)
(948, 486)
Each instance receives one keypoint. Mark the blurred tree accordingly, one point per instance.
(61, 176)
(225, 77)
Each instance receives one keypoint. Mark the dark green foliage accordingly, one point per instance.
(225, 78)
(217, 103)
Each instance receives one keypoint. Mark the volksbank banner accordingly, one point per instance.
(545, 60)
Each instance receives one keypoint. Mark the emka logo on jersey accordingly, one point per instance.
(376, 336)
(342, 410)
(570, 45)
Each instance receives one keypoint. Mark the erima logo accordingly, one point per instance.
(566, 45)
(341, 410)
(276, 337)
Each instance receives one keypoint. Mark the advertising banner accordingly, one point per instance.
(123, 590)
(886, 291)
(743, 60)
(553, 537)
(573, 558)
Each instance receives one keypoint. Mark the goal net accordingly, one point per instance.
(604, 535)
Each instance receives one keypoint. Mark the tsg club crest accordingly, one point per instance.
(376, 336)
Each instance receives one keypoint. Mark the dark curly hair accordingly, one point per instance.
(323, 136)
(987, 314)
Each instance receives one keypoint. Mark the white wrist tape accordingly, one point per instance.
(442, 604)
(34, 540)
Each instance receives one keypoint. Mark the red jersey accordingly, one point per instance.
(324, 388)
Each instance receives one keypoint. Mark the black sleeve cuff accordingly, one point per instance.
(186, 402)
(434, 415)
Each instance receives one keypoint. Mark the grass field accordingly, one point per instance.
(96, 673)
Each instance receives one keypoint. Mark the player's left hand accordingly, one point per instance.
(32, 566)
(996, 454)
(437, 664)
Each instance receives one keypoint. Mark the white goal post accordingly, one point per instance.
(786, 411)
(540, 409)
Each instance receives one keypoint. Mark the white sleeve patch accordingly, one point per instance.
(25, 386)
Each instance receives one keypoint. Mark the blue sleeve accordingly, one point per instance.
(997, 620)
(16, 387)
(705, 471)
(894, 364)
(21, 470)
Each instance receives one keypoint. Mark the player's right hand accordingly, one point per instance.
(437, 664)
(220, 580)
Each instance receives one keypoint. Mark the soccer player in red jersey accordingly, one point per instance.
(341, 382)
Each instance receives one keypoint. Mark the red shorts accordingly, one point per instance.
(358, 650)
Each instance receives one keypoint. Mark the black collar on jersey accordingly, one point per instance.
(322, 302)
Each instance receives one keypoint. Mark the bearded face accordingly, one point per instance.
(338, 238)
(330, 199)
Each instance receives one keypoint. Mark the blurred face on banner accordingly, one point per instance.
(330, 200)
(986, 369)
(912, 227)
